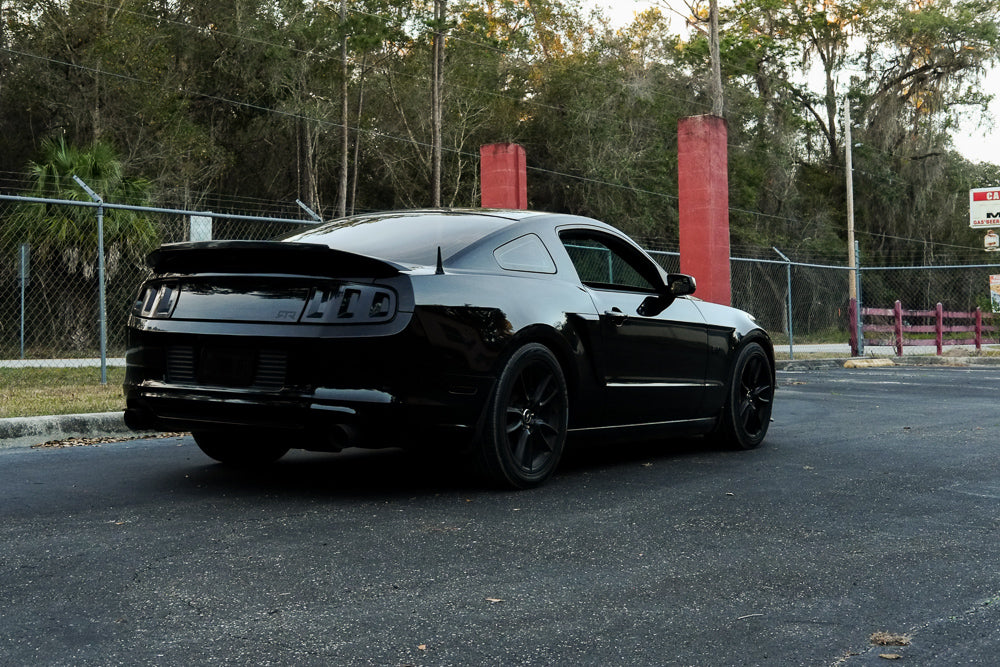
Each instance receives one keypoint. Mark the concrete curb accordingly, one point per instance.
(30, 431)
(808, 364)
(882, 362)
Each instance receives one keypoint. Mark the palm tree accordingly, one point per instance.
(63, 240)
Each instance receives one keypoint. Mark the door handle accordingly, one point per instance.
(616, 316)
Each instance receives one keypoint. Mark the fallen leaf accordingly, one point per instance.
(103, 440)
(422, 647)
(890, 656)
(883, 638)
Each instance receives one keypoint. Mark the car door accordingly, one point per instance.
(650, 359)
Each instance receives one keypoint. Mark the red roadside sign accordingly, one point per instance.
(984, 207)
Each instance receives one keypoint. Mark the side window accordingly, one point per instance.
(525, 253)
(599, 263)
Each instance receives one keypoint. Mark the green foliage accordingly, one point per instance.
(243, 99)
(53, 229)
(63, 240)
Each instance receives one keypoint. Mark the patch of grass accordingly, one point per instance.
(800, 356)
(31, 392)
(816, 337)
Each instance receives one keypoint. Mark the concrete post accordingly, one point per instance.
(703, 180)
(504, 176)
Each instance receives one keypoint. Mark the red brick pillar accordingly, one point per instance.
(703, 180)
(504, 176)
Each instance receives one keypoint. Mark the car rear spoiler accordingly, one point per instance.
(266, 257)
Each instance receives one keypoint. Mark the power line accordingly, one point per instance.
(379, 134)
(311, 53)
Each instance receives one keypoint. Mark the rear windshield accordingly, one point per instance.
(404, 238)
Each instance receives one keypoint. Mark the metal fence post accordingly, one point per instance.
(312, 214)
(788, 279)
(939, 327)
(852, 329)
(24, 286)
(102, 300)
(860, 320)
(979, 329)
(897, 314)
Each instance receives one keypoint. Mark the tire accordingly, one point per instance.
(747, 413)
(239, 449)
(527, 417)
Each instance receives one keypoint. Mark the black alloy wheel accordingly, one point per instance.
(242, 449)
(747, 414)
(527, 421)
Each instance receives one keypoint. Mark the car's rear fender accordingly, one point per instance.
(573, 355)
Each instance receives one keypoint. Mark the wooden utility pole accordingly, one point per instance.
(715, 85)
(345, 137)
(437, 68)
(849, 170)
(3, 42)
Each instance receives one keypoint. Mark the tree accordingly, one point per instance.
(437, 79)
(918, 64)
(606, 112)
(63, 239)
(250, 104)
(921, 69)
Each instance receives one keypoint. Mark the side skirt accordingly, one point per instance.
(683, 427)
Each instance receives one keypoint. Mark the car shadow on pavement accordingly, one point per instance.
(399, 472)
(351, 473)
(590, 455)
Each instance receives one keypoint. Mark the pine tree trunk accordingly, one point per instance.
(436, 80)
(345, 139)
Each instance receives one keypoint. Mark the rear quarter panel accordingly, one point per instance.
(480, 318)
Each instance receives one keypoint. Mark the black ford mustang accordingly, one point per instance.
(503, 330)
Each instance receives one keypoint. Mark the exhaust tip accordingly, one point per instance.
(138, 420)
(343, 435)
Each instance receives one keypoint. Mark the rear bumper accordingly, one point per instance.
(262, 377)
(323, 417)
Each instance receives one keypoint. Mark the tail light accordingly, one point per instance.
(156, 300)
(350, 303)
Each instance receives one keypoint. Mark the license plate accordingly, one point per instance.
(227, 368)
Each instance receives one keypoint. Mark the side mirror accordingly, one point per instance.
(680, 284)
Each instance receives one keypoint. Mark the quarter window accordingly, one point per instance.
(525, 253)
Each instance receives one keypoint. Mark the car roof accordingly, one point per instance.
(412, 237)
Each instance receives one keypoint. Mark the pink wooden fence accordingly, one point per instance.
(963, 328)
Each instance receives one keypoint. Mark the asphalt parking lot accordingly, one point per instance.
(873, 506)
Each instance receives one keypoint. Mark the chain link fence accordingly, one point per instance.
(50, 274)
(957, 288)
(49, 281)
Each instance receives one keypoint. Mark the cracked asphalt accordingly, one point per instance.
(873, 506)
